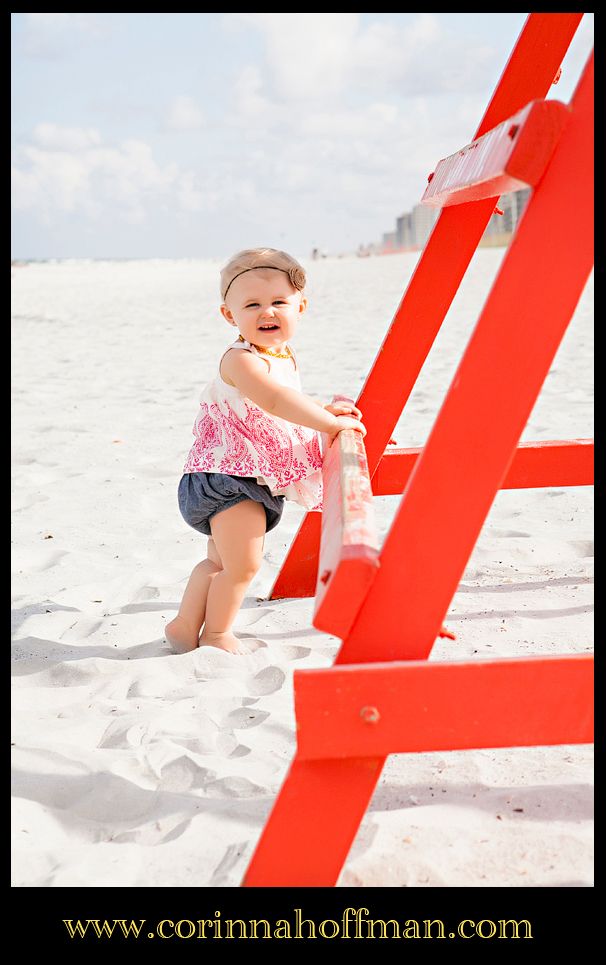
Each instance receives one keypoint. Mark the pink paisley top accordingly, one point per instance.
(235, 436)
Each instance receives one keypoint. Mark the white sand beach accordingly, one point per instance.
(136, 767)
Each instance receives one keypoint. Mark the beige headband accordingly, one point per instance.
(249, 269)
(296, 275)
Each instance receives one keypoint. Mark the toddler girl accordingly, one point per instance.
(256, 444)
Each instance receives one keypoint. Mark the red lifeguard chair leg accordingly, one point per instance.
(487, 406)
(441, 512)
(528, 74)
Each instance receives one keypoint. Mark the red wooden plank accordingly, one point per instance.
(298, 846)
(350, 545)
(544, 40)
(487, 406)
(389, 708)
(551, 463)
(298, 574)
(528, 75)
(309, 831)
(535, 465)
(513, 155)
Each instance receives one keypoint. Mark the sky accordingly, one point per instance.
(193, 135)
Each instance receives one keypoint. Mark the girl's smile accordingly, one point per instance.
(265, 307)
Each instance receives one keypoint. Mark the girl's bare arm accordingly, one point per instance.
(250, 375)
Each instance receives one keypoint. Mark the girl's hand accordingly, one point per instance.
(346, 422)
(343, 408)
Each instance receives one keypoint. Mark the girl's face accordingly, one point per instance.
(265, 307)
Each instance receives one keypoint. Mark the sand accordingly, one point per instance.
(135, 767)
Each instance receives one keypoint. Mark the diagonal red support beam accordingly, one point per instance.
(321, 803)
(528, 75)
(487, 406)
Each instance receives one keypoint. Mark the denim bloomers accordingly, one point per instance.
(204, 494)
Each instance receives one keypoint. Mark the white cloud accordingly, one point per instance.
(55, 138)
(250, 102)
(189, 196)
(184, 114)
(351, 117)
(307, 53)
(69, 169)
(322, 56)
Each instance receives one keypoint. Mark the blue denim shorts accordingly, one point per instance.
(204, 494)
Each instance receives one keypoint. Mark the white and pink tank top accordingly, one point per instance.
(235, 436)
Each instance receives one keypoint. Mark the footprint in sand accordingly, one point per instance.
(245, 717)
(81, 629)
(230, 861)
(239, 787)
(253, 643)
(123, 734)
(240, 751)
(292, 652)
(227, 745)
(246, 618)
(146, 593)
(183, 773)
(267, 681)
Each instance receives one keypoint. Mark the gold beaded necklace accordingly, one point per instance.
(268, 351)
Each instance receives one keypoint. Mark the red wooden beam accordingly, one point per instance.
(511, 156)
(528, 75)
(298, 846)
(366, 710)
(349, 556)
(534, 465)
(321, 803)
(487, 405)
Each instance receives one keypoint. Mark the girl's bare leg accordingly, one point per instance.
(212, 554)
(182, 633)
(238, 535)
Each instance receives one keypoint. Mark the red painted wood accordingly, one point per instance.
(513, 155)
(487, 406)
(544, 40)
(528, 75)
(310, 829)
(535, 465)
(299, 572)
(388, 708)
(298, 846)
(350, 545)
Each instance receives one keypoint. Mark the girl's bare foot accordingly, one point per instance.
(225, 641)
(180, 635)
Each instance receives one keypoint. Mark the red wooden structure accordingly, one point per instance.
(383, 695)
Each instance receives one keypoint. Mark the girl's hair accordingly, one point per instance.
(261, 258)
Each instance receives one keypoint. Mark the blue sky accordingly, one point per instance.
(193, 135)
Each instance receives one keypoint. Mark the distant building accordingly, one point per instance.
(501, 226)
(404, 237)
(423, 218)
(389, 241)
(413, 228)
